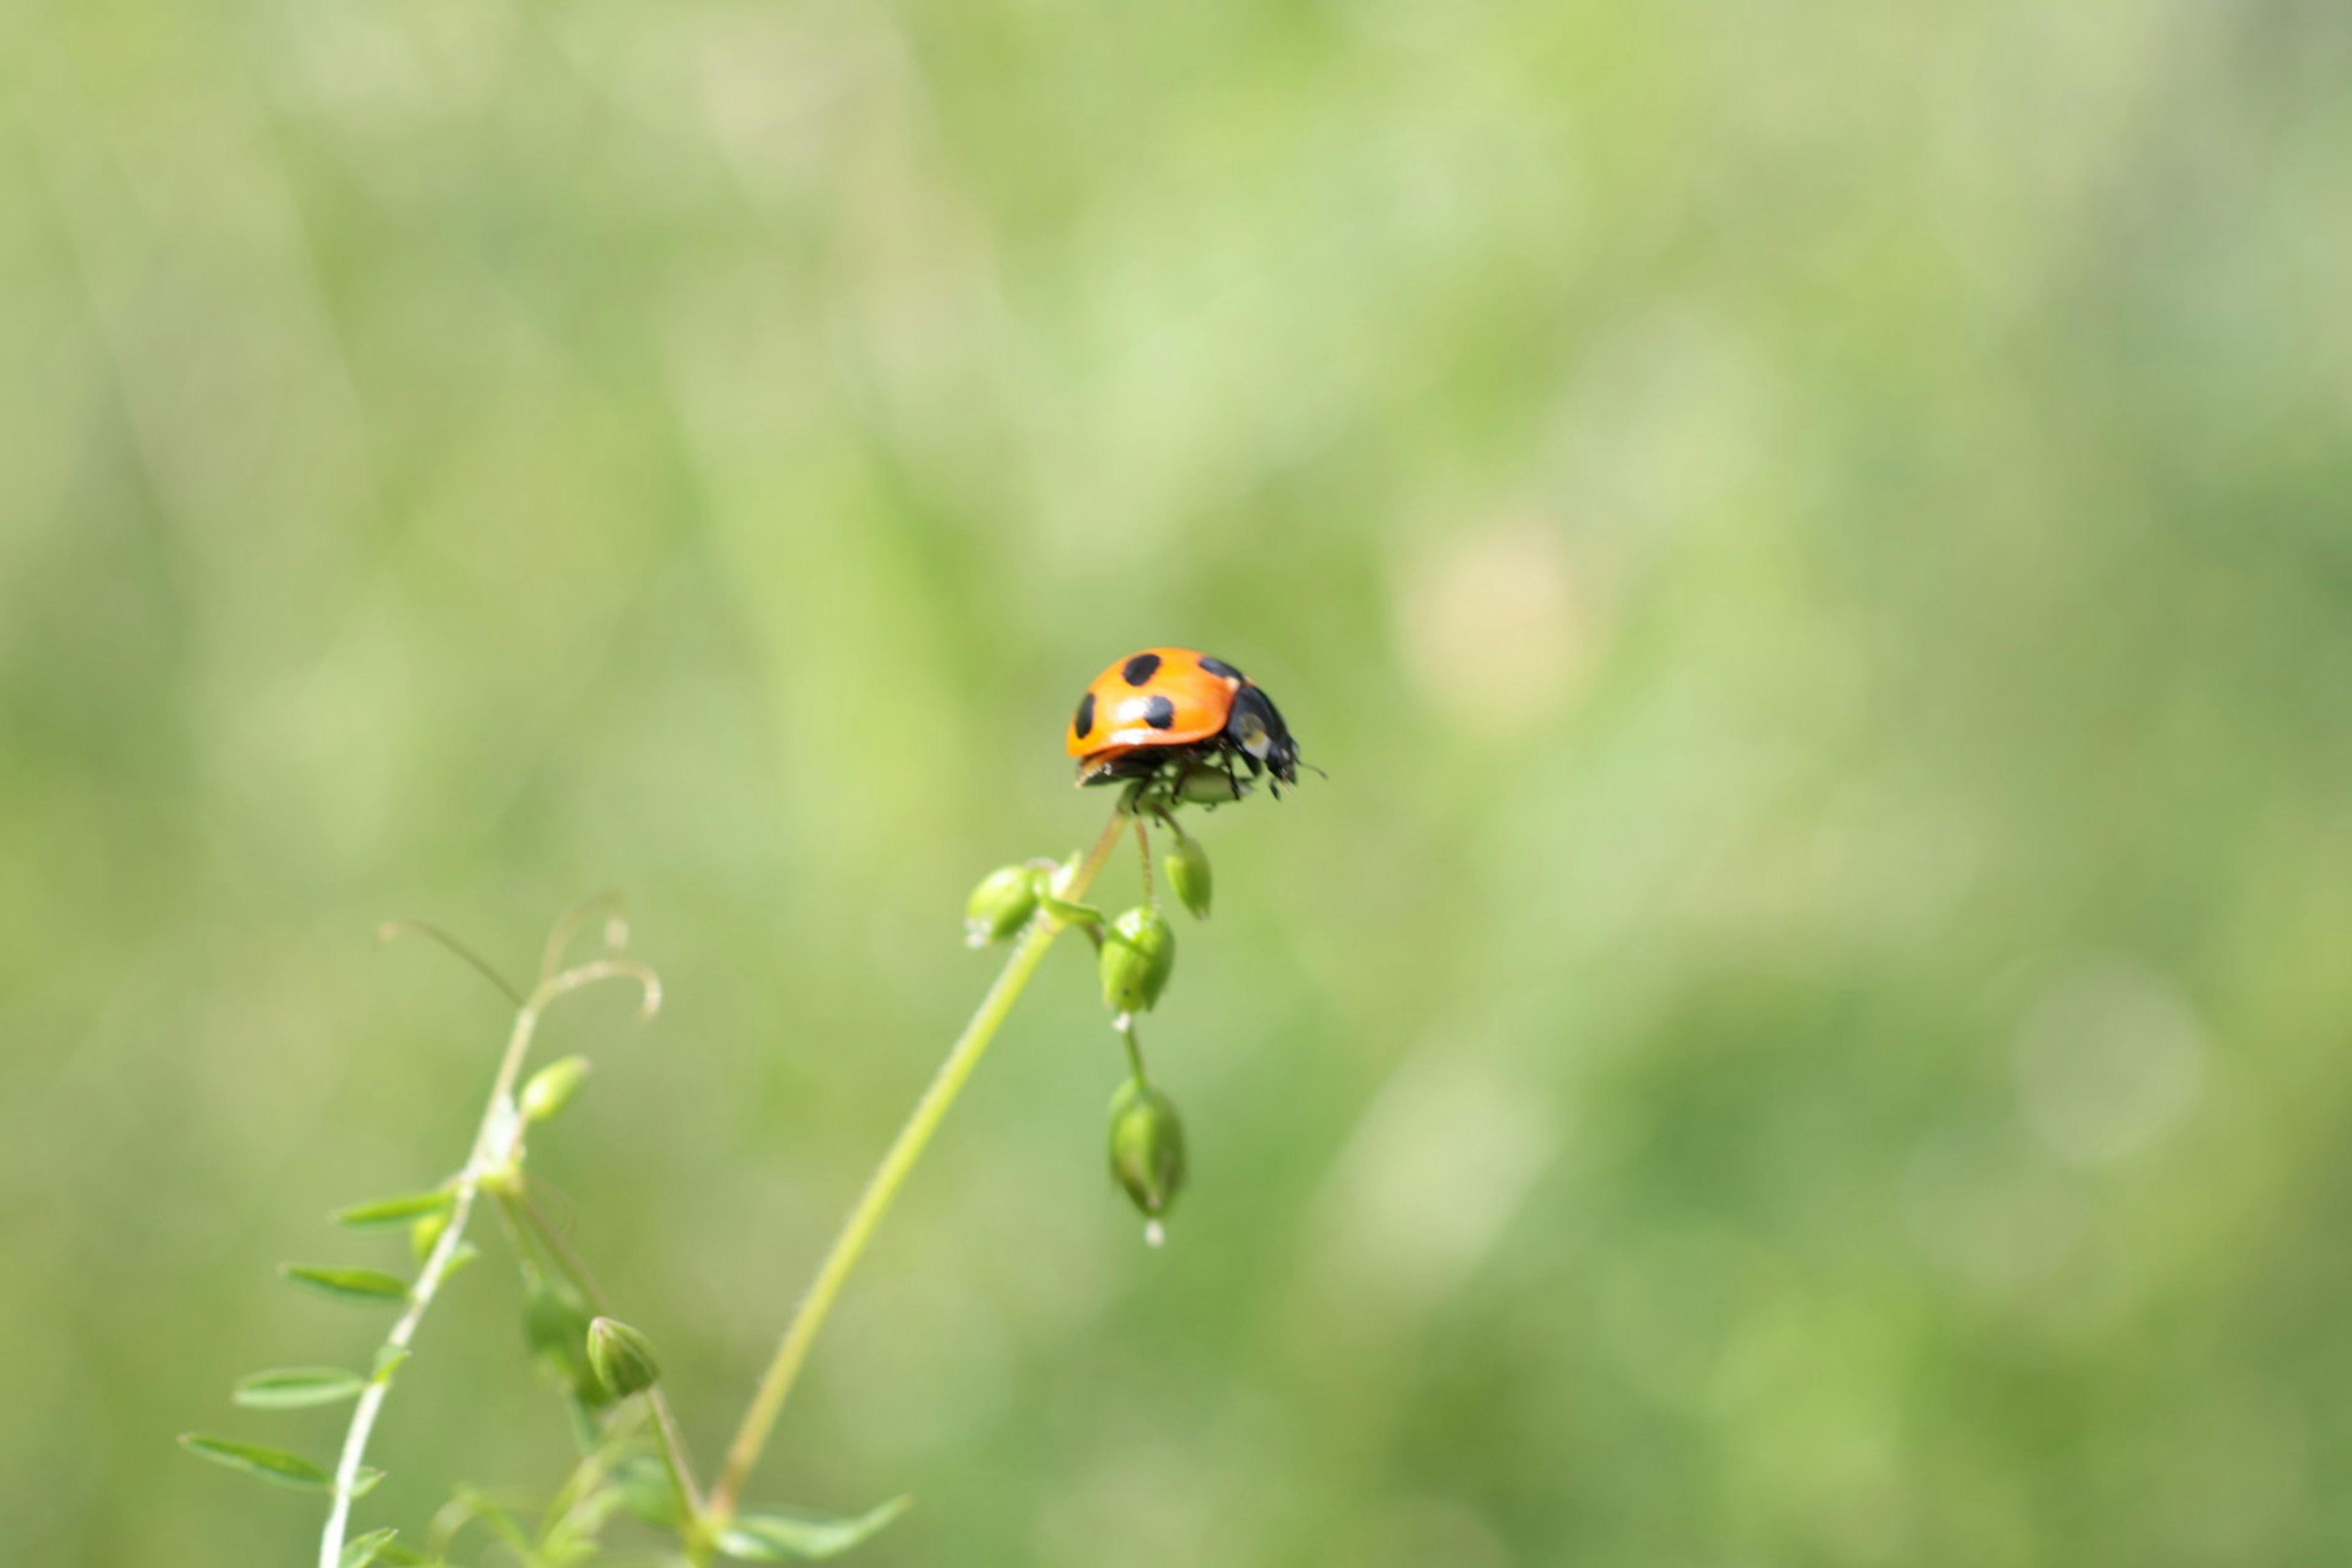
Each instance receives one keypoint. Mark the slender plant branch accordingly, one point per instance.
(1126, 1027)
(497, 1145)
(607, 902)
(1143, 849)
(530, 1217)
(883, 1186)
(482, 966)
(525, 1212)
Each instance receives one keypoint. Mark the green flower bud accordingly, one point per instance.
(550, 1088)
(1138, 953)
(623, 1359)
(1147, 1147)
(1187, 865)
(1000, 906)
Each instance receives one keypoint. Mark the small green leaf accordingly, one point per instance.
(466, 1253)
(366, 1480)
(388, 1360)
(779, 1536)
(365, 1548)
(372, 1285)
(297, 1387)
(1068, 913)
(275, 1465)
(647, 1491)
(494, 1509)
(387, 1214)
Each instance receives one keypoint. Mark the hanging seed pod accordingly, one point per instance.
(1187, 868)
(1138, 953)
(1147, 1147)
(1209, 786)
(1000, 906)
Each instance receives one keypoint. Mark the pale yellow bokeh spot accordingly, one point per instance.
(1495, 625)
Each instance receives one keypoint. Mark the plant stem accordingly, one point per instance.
(1126, 1027)
(1143, 849)
(525, 1212)
(883, 1186)
(495, 1146)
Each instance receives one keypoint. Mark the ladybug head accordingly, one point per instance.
(1256, 731)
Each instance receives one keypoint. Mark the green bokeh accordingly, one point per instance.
(1809, 1024)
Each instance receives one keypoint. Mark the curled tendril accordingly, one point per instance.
(571, 980)
(607, 902)
(567, 927)
(391, 929)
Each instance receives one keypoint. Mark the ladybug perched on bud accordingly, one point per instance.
(1179, 714)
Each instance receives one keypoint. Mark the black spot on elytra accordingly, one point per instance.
(1084, 724)
(1159, 713)
(1141, 669)
(1220, 668)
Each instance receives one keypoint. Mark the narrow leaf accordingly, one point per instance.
(1069, 914)
(372, 1285)
(646, 1491)
(493, 1509)
(388, 1360)
(425, 1234)
(365, 1548)
(387, 1214)
(274, 1465)
(366, 1480)
(780, 1536)
(297, 1387)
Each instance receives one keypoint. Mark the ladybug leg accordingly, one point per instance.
(1257, 769)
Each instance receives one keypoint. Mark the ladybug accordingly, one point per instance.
(1177, 713)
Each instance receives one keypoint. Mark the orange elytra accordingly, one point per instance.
(1179, 711)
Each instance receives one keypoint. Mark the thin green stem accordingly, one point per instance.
(482, 966)
(555, 1246)
(1143, 851)
(497, 1146)
(883, 1186)
(1126, 1027)
(524, 1211)
(497, 1118)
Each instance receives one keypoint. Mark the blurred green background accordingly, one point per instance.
(1807, 1026)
